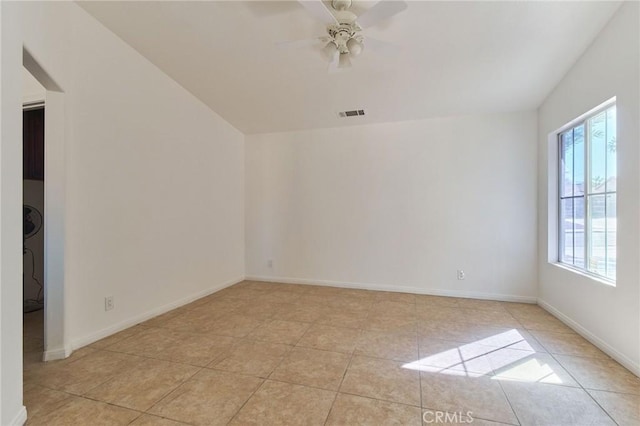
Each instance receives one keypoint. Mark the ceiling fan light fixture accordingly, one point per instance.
(330, 50)
(341, 4)
(355, 47)
(344, 60)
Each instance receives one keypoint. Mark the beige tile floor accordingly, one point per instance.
(270, 354)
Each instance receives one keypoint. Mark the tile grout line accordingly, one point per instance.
(583, 388)
(172, 390)
(342, 379)
(71, 396)
(264, 380)
(387, 401)
(553, 356)
(148, 410)
(361, 330)
(149, 357)
(139, 415)
(513, 410)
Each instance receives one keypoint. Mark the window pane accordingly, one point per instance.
(612, 167)
(598, 153)
(566, 163)
(566, 231)
(587, 185)
(596, 238)
(578, 226)
(611, 236)
(578, 163)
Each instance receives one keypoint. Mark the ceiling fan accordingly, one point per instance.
(344, 39)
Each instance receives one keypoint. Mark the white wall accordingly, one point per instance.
(32, 90)
(11, 409)
(610, 316)
(399, 206)
(154, 183)
(154, 177)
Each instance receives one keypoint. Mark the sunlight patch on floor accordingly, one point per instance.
(493, 356)
(529, 370)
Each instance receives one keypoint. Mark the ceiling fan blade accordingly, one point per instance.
(380, 11)
(297, 44)
(319, 10)
(379, 46)
(335, 62)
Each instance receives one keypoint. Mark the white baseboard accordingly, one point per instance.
(398, 289)
(20, 418)
(105, 332)
(601, 344)
(58, 353)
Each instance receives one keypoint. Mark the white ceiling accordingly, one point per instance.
(455, 58)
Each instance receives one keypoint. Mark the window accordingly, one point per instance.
(587, 192)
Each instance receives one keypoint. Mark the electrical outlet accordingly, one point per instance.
(270, 263)
(461, 274)
(108, 303)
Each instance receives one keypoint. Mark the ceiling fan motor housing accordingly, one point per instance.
(345, 35)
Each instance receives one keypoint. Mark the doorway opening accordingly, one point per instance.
(33, 214)
(44, 167)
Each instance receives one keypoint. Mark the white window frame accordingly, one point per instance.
(582, 120)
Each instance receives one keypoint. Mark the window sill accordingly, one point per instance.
(582, 272)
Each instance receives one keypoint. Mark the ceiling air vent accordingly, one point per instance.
(353, 113)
